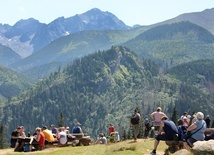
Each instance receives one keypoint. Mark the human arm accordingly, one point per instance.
(152, 115)
(14, 135)
(80, 130)
(37, 138)
(192, 127)
(161, 128)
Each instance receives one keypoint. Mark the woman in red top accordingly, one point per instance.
(40, 138)
(111, 129)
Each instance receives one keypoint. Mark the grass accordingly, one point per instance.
(127, 147)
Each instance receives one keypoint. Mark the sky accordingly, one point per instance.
(131, 12)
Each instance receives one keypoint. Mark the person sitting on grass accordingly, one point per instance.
(170, 131)
(102, 139)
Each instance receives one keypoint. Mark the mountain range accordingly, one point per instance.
(33, 35)
(28, 36)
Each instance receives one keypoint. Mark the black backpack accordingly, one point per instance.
(135, 119)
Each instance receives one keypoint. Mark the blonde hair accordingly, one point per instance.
(38, 129)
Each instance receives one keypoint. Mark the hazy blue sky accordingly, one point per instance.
(131, 12)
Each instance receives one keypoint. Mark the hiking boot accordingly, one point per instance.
(153, 153)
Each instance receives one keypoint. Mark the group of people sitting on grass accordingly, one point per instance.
(188, 130)
(41, 137)
(113, 136)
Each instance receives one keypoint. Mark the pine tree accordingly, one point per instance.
(3, 142)
(174, 115)
(61, 120)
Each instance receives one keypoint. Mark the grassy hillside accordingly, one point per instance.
(121, 148)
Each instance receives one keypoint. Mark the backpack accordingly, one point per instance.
(135, 119)
(76, 129)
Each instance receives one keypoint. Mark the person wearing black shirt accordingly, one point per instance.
(14, 136)
(207, 120)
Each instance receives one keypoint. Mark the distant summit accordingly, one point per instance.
(93, 19)
(31, 35)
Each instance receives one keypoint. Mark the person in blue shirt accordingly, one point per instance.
(77, 129)
(182, 129)
(168, 130)
(54, 130)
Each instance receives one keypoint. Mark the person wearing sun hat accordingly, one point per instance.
(77, 129)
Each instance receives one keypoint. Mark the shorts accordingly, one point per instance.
(164, 137)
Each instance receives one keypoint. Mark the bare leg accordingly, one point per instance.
(156, 144)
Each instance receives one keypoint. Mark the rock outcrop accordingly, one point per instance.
(203, 147)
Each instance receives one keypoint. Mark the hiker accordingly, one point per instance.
(170, 131)
(62, 136)
(207, 120)
(20, 144)
(77, 129)
(196, 130)
(184, 115)
(101, 139)
(156, 116)
(67, 130)
(182, 129)
(14, 136)
(135, 123)
(54, 130)
(210, 136)
(147, 128)
(111, 129)
(39, 138)
(48, 135)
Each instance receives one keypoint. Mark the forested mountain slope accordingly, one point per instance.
(199, 73)
(11, 83)
(99, 89)
(74, 46)
(174, 44)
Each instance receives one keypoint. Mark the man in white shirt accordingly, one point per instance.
(62, 136)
